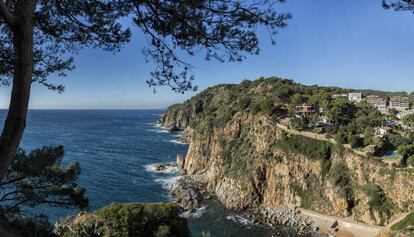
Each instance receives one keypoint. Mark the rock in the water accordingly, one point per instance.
(160, 167)
(164, 166)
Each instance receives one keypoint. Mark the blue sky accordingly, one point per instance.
(353, 43)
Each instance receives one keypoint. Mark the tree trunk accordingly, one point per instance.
(22, 78)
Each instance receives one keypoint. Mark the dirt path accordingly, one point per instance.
(347, 228)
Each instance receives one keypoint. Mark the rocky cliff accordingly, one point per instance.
(243, 158)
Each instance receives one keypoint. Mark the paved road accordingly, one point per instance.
(348, 228)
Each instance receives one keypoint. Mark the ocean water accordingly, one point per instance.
(116, 150)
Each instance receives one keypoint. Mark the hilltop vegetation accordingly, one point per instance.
(353, 123)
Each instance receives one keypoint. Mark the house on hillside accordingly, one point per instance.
(355, 97)
(382, 131)
(305, 110)
(323, 121)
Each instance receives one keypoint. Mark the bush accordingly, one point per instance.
(313, 149)
(356, 141)
(341, 138)
(404, 223)
(379, 202)
(410, 161)
(340, 177)
(134, 219)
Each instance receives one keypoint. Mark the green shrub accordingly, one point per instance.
(404, 223)
(128, 220)
(356, 141)
(410, 161)
(313, 149)
(340, 177)
(379, 202)
(341, 138)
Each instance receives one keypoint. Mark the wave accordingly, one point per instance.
(158, 130)
(176, 141)
(168, 182)
(197, 214)
(238, 219)
(178, 135)
(168, 169)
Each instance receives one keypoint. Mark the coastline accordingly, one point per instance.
(346, 227)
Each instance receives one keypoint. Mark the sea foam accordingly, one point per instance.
(197, 214)
(238, 219)
(168, 169)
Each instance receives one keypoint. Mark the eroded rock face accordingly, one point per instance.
(243, 165)
(180, 163)
(188, 193)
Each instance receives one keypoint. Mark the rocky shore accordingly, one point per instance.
(189, 194)
(289, 217)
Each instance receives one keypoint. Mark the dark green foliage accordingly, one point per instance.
(404, 223)
(368, 136)
(342, 111)
(300, 123)
(34, 226)
(239, 156)
(341, 138)
(313, 149)
(379, 202)
(356, 141)
(127, 220)
(410, 161)
(135, 219)
(243, 102)
(312, 195)
(340, 177)
(397, 140)
(405, 151)
(37, 178)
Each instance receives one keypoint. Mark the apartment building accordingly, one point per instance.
(378, 102)
(400, 103)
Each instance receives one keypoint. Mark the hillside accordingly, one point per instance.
(246, 160)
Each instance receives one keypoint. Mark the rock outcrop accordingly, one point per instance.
(188, 193)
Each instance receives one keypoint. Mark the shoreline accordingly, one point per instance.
(346, 227)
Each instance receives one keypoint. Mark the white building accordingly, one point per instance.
(336, 96)
(400, 103)
(355, 97)
(382, 131)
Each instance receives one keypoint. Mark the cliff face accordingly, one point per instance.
(247, 161)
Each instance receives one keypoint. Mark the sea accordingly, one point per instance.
(117, 151)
